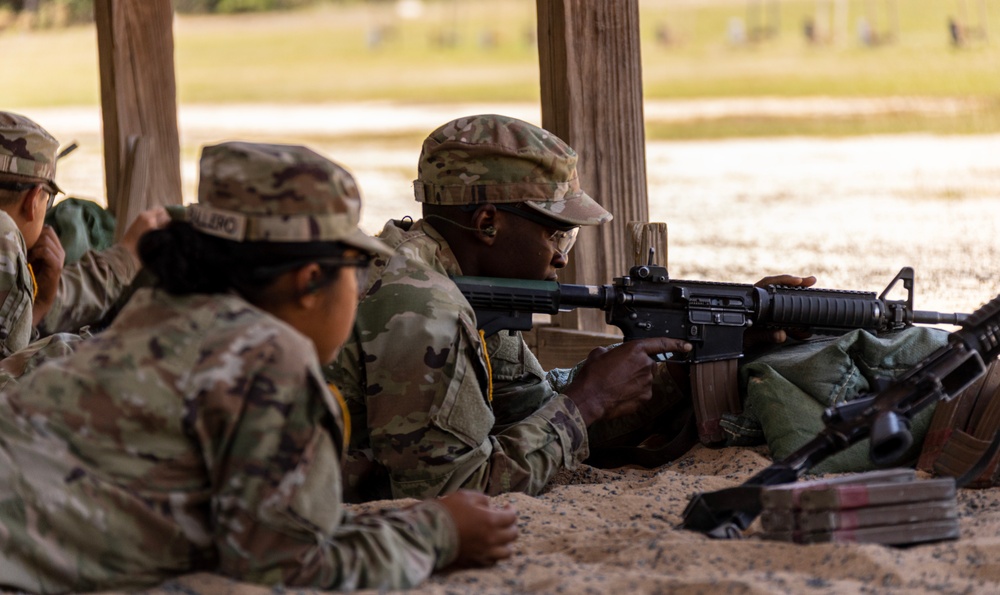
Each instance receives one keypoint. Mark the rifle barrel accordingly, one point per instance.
(928, 317)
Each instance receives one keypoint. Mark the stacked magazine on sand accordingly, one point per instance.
(888, 506)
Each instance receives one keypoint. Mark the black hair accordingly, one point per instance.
(186, 261)
(13, 187)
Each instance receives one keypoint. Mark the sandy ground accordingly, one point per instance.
(614, 532)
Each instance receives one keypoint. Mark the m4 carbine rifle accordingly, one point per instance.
(884, 417)
(712, 316)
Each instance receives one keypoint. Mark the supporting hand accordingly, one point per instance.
(485, 534)
(755, 336)
(46, 258)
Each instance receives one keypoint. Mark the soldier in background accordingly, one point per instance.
(197, 433)
(35, 289)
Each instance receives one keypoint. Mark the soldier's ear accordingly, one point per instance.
(485, 224)
(28, 206)
(307, 282)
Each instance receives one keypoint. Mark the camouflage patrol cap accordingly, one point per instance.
(277, 193)
(27, 149)
(499, 159)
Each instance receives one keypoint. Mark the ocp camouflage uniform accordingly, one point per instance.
(16, 289)
(194, 434)
(88, 288)
(197, 432)
(416, 376)
(416, 382)
(533, 429)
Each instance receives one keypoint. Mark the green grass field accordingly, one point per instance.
(323, 54)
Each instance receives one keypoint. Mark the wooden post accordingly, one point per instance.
(139, 105)
(133, 183)
(591, 87)
(648, 240)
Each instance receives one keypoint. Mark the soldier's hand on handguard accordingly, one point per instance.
(46, 258)
(789, 280)
(615, 382)
(770, 335)
(485, 533)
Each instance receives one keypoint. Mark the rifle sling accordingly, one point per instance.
(987, 463)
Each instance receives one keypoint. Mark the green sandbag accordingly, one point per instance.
(788, 388)
(81, 225)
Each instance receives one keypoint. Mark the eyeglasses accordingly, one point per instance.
(359, 262)
(361, 268)
(52, 196)
(361, 274)
(22, 186)
(563, 239)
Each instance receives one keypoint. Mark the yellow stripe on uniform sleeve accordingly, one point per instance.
(489, 367)
(344, 411)
(34, 284)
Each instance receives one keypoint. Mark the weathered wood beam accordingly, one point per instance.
(591, 90)
(138, 104)
(647, 240)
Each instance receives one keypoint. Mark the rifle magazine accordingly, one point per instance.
(714, 391)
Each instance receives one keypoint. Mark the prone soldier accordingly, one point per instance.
(434, 405)
(197, 433)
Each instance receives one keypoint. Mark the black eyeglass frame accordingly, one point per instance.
(565, 235)
(361, 261)
(23, 186)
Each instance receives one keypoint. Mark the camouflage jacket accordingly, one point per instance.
(418, 386)
(16, 289)
(87, 289)
(194, 434)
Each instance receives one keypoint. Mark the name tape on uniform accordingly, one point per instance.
(224, 224)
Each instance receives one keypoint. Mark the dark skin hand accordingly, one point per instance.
(615, 382)
(46, 258)
(485, 533)
(768, 335)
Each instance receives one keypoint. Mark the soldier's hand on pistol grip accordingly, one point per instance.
(615, 382)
